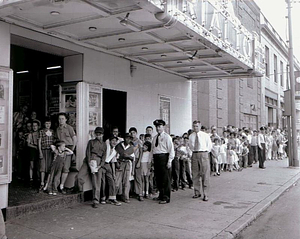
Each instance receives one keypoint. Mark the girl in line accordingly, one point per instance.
(215, 152)
(223, 156)
(145, 161)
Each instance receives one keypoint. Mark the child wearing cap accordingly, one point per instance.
(96, 152)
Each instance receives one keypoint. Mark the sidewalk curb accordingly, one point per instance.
(246, 219)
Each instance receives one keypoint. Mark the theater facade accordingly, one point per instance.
(118, 62)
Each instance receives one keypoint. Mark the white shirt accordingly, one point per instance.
(260, 139)
(110, 154)
(146, 157)
(165, 145)
(204, 141)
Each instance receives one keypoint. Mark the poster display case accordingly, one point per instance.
(6, 102)
(95, 108)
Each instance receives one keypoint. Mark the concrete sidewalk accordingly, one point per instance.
(236, 199)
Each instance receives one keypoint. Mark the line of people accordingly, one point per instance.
(144, 165)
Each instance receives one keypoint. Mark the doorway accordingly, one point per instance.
(114, 111)
(36, 78)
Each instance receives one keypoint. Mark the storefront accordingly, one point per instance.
(136, 58)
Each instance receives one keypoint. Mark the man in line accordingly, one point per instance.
(163, 155)
(200, 144)
(66, 133)
(95, 159)
(261, 148)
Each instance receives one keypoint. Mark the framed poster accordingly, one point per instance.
(93, 118)
(2, 139)
(93, 100)
(70, 101)
(1, 164)
(2, 114)
(164, 108)
(1, 91)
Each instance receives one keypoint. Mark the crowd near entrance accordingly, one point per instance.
(37, 76)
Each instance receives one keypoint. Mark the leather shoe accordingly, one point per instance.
(156, 199)
(197, 196)
(205, 198)
(95, 205)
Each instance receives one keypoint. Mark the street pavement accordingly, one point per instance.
(236, 199)
(280, 221)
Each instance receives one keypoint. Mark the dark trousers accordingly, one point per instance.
(175, 173)
(138, 181)
(163, 176)
(252, 155)
(108, 182)
(262, 155)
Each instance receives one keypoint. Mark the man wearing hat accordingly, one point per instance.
(163, 154)
(126, 156)
(95, 153)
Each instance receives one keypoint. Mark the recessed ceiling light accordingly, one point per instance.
(53, 67)
(21, 72)
(92, 29)
(54, 13)
(179, 62)
(121, 39)
(163, 55)
(144, 48)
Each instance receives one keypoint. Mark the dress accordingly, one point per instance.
(215, 154)
(144, 163)
(230, 156)
(223, 156)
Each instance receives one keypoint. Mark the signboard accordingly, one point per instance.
(216, 22)
(287, 103)
(164, 107)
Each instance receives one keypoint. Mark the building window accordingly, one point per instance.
(250, 82)
(281, 74)
(267, 61)
(275, 69)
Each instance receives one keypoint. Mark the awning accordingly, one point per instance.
(194, 39)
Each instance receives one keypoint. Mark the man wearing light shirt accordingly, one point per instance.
(261, 148)
(200, 144)
(163, 154)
